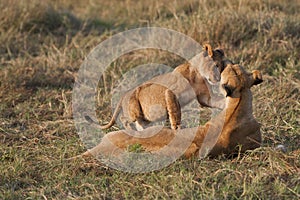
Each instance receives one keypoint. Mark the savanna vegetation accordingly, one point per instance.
(42, 45)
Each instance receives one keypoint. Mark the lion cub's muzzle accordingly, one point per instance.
(214, 78)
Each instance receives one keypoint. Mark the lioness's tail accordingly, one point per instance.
(115, 115)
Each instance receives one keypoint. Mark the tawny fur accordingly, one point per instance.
(232, 130)
(163, 96)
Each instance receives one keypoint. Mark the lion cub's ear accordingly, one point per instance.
(209, 50)
(256, 77)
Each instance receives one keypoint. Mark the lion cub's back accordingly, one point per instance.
(152, 100)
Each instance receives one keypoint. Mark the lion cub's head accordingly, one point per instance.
(211, 64)
(234, 79)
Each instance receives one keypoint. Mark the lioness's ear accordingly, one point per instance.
(256, 77)
(228, 90)
(208, 48)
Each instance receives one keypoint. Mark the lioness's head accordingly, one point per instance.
(211, 64)
(234, 79)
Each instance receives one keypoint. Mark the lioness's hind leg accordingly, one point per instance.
(173, 108)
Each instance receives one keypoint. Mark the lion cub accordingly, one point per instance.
(164, 95)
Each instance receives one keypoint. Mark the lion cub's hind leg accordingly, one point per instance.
(134, 112)
(127, 123)
(141, 124)
(173, 109)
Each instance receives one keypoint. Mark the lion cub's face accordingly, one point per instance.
(234, 79)
(211, 61)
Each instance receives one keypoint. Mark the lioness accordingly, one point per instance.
(164, 95)
(232, 130)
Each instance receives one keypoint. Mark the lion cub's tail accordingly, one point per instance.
(115, 115)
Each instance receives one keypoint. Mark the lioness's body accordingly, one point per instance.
(234, 126)
(163, 96)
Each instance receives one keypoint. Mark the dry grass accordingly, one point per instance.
(42, 45)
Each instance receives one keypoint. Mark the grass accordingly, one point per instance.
(42, 45)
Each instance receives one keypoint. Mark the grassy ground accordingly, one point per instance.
(42, 45)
